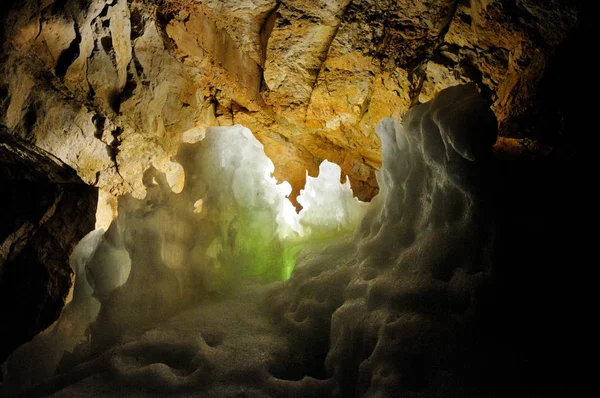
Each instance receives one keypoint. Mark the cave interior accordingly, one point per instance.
(293, 198)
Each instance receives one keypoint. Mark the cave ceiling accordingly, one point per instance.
(110, 87)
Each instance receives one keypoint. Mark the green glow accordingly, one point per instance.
(251, 229)
(252, 250)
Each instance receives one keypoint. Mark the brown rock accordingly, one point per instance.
(311, 79)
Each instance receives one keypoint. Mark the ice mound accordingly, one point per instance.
(385, 311)
(393, 307)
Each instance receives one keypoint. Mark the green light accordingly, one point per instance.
(253, 232)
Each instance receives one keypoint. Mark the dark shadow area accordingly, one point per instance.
(539, 317)
(46, 210)
(307, 361)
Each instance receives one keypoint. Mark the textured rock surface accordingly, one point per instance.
(46, 209)
(110, 87)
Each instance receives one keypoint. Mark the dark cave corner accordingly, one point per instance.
(47, 209)
(538, 310)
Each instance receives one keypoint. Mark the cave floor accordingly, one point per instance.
(219, 348)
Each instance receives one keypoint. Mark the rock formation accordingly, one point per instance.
(109, 87)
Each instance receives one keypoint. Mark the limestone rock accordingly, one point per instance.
(111, 87)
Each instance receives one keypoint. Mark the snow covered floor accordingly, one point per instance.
(222, 348)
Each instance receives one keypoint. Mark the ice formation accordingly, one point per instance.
(230, 221)
(381, 312)
(327, 205)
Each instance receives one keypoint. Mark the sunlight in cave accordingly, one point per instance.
(258, 230)
(250, 227)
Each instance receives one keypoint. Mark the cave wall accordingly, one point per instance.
(46, 210)
(111, 87)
